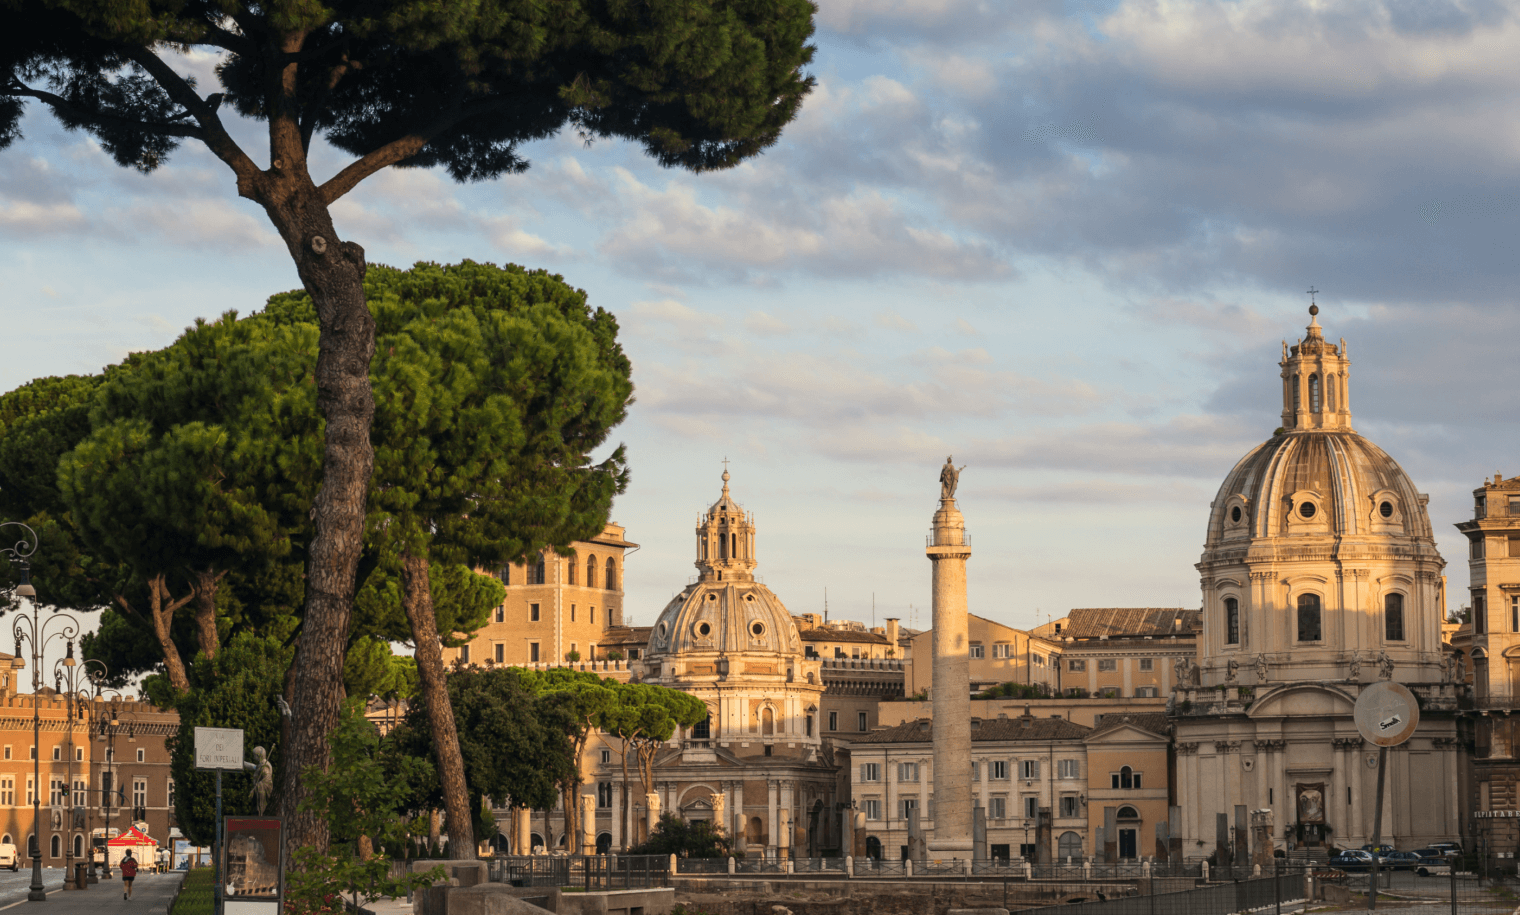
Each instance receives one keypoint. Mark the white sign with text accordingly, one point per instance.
(219, 748)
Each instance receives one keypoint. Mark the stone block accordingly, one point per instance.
(652, 901)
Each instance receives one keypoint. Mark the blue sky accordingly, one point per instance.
(1060, 240)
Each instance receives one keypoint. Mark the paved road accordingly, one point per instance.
(150, 894)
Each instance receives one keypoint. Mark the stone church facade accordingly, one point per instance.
(1320, 576)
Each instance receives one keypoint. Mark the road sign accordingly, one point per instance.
(1387, 714)
(219, 748)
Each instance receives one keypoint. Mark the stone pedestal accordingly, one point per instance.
(951, 694)
(1261, 837)
(651, 813)
(588, 824)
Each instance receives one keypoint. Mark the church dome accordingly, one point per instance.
(724, 618)
(1317, 482)
(725, 611)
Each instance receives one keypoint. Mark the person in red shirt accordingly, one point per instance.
(128, 868)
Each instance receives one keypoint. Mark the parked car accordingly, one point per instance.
(1383, 850)
(1450, 849)
(1433, 866)
(9, 857)
(1352, 859)
(1401, 860)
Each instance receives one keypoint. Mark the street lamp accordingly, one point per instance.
(34, 631)
(72, 680)
(107, 724)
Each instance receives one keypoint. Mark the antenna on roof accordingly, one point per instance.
(873, 609)
(825, 605)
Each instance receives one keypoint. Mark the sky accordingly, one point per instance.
(1062, 241)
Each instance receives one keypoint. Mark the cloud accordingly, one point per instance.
(764, 325)
(891, 320)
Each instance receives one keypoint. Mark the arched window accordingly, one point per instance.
(1393, 617)
(31, 845)
(1313, 393)
(78, 846)
(1126, 777)
(722, 546)
(1297, 395)
(1330, 398)
(1231, 621)
(603, 843)
(538, 571)
(591, 572)
(1128, 813)
(611, 582)
(57, 846)
(1308, 618)
(1069, 845)
(573, 569)
(767, 722)
(734, 545)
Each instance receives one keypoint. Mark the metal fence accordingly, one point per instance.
(1216, 899)
(590, 872)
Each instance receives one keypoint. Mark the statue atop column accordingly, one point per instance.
(949, 478)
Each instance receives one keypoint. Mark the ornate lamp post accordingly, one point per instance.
(72, 680)
(33, 630)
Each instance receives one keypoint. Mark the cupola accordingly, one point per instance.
(1315, 375)
(726, 541)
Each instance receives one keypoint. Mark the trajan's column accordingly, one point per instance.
(948, 551)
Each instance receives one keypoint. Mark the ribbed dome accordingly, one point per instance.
(724, 617)
(1316, 482)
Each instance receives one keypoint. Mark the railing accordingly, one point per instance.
(872, 867)
(952, 538)
(589, 872)
(701, 865)
(888, 664)
(1218, 899)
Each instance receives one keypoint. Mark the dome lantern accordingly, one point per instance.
(726, 541)
(1315, 375)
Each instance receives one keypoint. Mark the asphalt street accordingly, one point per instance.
(151, 893)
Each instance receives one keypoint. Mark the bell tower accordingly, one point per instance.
(726, 541)
(1315, 375)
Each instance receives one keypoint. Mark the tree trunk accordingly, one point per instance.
(161, 609)
(627, 796)
(204, 590)
(333, 274)
(417, 599)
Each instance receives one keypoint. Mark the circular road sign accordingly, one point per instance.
(1387, 714)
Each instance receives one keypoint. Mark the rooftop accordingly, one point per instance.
(1024, 727)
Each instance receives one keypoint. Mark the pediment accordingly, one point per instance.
(1302, 700)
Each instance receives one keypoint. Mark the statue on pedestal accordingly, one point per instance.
(949, 478)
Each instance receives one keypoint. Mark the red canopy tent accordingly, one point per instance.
(134, 840)
(132, 837)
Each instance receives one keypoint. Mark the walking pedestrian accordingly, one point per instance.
(128, 868)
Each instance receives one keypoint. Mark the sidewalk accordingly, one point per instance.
(150, 896)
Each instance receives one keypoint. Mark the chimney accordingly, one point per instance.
(892, 635)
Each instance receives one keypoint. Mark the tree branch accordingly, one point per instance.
(88, 116)
(401, 148)
(212, 133)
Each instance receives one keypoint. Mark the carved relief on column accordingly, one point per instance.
(1226, 746)
(1187, 749)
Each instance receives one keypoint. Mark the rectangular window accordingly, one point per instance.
(905, 805)
(139, 792)
(57, 753)
(142, 755)
(533, 613)
(634, 653)
(29, 791)
(1038, 659)
(1514, 613)
(999, 769)
(1002, 650)
(1146, 692)
(533, 652)
(592, 610)
(501, 653)
(860, 721)
(572, 613)
(1108, 664)
(1029, 768)
(501, 614)
(79, 754)
(977, 651)
(997, 808)
(1031, 807)
(606, 757)
(833, 721)
(975, 768)
(1514, 506)
(1067, 768)
(1069, 805)
(7, 752)
(907, 772)
(1076, 665)
(464, 653)
(573, 649)
(7, 792)
(1514, 545)
(79, 793)
(34, 752)
(1478, 508)
(870, 772)
(1480, 612)
(873, 809)
(604, 795)
(1147, 665)
(58, 792)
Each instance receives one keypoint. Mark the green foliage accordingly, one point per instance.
(315, 882)
(1016, 691)
(196, 894)
(515, 744)
(235, 689)
(366, 790)
(674, 836)
(615, 655)
(701, 84)
(371, 669)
